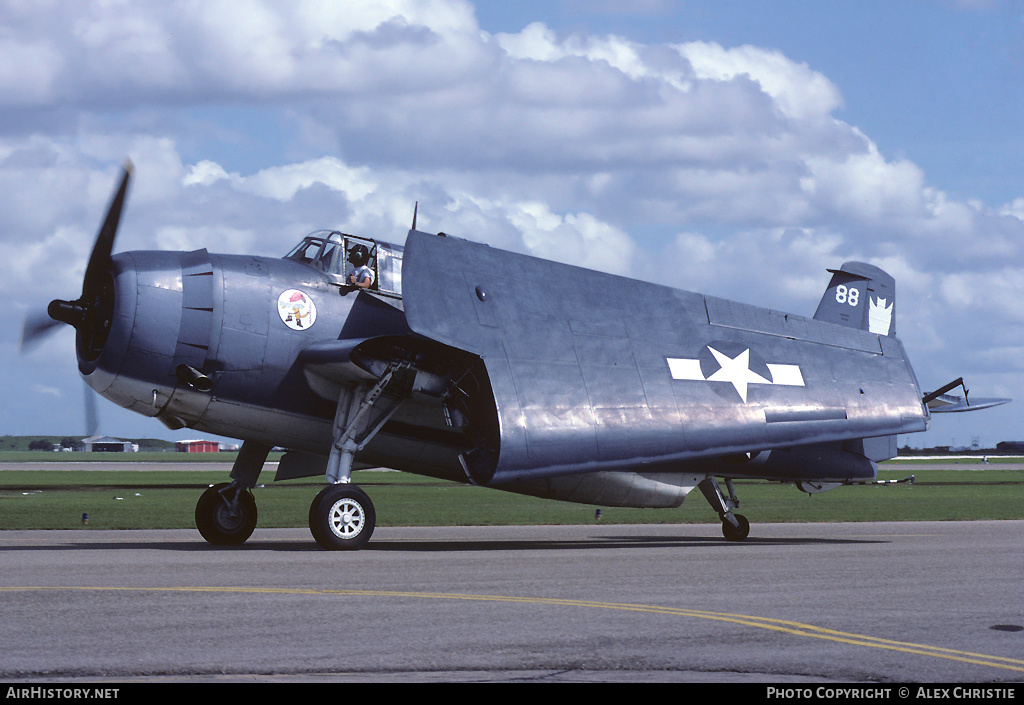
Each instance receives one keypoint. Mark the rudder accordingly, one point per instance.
(860, 296)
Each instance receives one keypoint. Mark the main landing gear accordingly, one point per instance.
(341, 516)
(735, 527)
(226, 513)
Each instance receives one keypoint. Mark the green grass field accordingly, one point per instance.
(128, 499)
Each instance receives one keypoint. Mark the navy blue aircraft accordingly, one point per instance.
(456, 360)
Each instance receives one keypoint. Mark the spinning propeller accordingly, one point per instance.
(92, 313)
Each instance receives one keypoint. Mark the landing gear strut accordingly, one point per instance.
(342, 516)
(735, 527)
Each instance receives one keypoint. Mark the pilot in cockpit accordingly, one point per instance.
(361, 275)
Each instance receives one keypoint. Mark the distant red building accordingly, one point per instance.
(197, 446)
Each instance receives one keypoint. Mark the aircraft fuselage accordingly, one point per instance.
(584, 378)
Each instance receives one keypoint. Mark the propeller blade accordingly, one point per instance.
(92, 417)
(91, 314)
(99, 260)
(34, 329)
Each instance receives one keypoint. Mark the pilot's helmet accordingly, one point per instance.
(359, 255)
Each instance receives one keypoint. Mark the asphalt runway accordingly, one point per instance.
(931, 602)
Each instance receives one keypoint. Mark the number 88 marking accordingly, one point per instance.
(847, 296)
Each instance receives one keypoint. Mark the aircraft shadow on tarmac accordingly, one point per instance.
(599, 543)
(458, 545)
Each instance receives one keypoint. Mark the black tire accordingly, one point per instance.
(342, 518)
(216, 521)
(736, 533)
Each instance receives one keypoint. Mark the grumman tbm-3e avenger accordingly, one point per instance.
(461, 361)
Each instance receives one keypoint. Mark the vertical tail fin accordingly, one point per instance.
(860, 296)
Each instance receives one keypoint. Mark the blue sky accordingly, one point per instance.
(937, 81)
(733, 148)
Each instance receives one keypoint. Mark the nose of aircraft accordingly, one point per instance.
(91, 315)
(142, 320)
(130, 353)
(106, 314)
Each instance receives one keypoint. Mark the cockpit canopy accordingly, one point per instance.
(327, 251)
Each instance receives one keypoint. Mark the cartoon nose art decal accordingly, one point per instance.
(297, 310)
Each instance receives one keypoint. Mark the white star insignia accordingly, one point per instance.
(736, 371)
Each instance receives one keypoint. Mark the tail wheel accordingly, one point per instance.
(342, 517)
(225, 515)
(736, 533)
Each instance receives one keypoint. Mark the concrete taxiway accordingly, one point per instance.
(857, 602)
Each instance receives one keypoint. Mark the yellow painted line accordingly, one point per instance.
(778, 625)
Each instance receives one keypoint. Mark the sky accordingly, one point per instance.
(734, 148)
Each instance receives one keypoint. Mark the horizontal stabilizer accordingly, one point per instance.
(938, 402)
(948, 403)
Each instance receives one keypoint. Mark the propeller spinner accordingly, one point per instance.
(92, 313)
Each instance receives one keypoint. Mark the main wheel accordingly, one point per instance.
(342, 517)
(736, 533)
(224, 520)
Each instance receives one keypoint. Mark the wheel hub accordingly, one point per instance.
(346, 518)
(229, 519)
